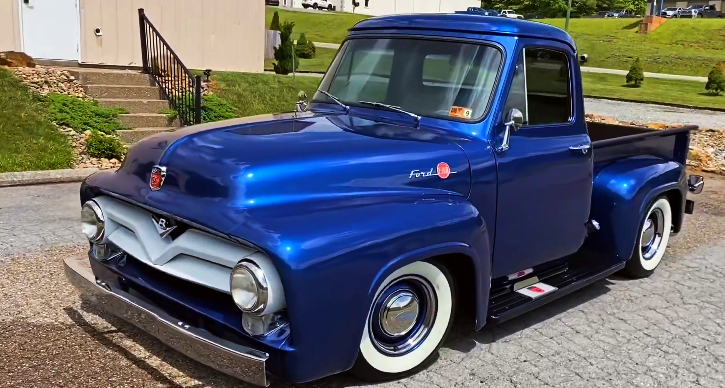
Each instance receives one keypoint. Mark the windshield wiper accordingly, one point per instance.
(336, 100)
(395, 109)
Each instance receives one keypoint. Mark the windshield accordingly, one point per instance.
(451, 80)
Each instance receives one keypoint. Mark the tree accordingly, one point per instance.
(716, 79)
(287, 62)
(636, 74)
(305, 48)
(275, 22)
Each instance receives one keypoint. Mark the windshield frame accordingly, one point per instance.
(345, 45)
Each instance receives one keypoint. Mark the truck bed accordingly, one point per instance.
(611, 142)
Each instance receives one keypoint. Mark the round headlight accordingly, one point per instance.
(249, 287)
(92, 221)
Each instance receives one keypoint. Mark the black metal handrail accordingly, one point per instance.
(179, 86)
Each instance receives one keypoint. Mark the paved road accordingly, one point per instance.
(664, 331)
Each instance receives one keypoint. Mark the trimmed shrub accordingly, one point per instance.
(99, 145)
(82, 115)
(286, 61)
(214, 108)
(716, 79)
(636, 74)
(305, 48)
(274, 25)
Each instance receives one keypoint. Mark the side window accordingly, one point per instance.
(542, 87)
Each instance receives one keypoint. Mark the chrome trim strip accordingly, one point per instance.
(244, 363)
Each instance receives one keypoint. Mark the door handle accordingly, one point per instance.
(584, 148)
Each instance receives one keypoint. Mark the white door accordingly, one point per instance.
(51, 29)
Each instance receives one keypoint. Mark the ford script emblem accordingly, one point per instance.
(442, 170)
(158, 174)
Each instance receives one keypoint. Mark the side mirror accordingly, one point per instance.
(513, 122)
(583, 58)
(301, 104)
(695, 183)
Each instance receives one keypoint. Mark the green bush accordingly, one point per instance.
(214, 108)
(304, 48)
(82, 115)
(716, 79)
(275, 22)
(636, 74)
(99, 145)
(286, 61)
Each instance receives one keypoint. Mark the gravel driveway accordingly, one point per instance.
(650, 113)
(664, 331)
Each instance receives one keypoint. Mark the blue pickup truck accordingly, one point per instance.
(443, 167)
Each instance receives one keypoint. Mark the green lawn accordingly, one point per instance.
(318, 64)
(653, 90)
(28, 141)
(253, 94)
(326, 27)
(679, 46)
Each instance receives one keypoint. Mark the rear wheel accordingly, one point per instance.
(699, 15)
(654, 234)
(329, 7)
(314, 6)
(408, 322)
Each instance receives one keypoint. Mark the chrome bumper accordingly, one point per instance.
(241, 362)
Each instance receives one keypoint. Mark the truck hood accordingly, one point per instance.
(234, 168)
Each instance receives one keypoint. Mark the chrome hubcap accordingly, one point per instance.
(402, 316)
(652, 231)
(399, 313)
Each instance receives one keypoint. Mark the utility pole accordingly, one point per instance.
(568, 15)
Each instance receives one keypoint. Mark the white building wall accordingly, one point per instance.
(391, 7)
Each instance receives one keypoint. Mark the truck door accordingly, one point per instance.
(545, 174)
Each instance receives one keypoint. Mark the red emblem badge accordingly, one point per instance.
(444, 170)
(537, 290)
(158, 174)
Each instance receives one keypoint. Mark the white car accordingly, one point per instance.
(671, 12)
(510, 14)
(318, 4)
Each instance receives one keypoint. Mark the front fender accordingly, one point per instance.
(621, 193)
(332, 258)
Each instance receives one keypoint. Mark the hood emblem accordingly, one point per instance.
(158, 174)
(442, 170)
(163, 225)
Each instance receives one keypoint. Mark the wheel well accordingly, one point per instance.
(676, 203)
(463, 272)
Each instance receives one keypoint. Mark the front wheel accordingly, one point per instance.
(314, 6)
(654, 234)
(408, 321)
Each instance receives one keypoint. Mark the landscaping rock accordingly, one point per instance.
(82, 160)
(44, 80)
(16, 59)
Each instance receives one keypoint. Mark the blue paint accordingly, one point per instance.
(333, 198)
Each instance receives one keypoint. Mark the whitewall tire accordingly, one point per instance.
(652, 238)
(408, 321)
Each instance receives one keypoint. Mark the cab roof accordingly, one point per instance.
(460, 22)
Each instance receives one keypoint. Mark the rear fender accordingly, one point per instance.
(621, 193)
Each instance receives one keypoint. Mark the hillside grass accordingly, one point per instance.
(653, 90)
(28, 140)
(679, 46)
(322, 26)
(318, 64)
(254, 94)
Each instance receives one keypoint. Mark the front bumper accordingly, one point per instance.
(239, 361)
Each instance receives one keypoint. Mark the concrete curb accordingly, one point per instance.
(44, 177)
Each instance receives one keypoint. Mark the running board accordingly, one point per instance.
(513, 304)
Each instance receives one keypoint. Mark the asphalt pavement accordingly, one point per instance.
(664, 331)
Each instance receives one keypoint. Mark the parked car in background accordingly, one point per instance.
(711, 12)
(693, 11)
(621, 13)
(318, 4)
(479, 11)
(530, 16)
(671, 12)
(511, 14)
(602, 14)
(271, 2)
